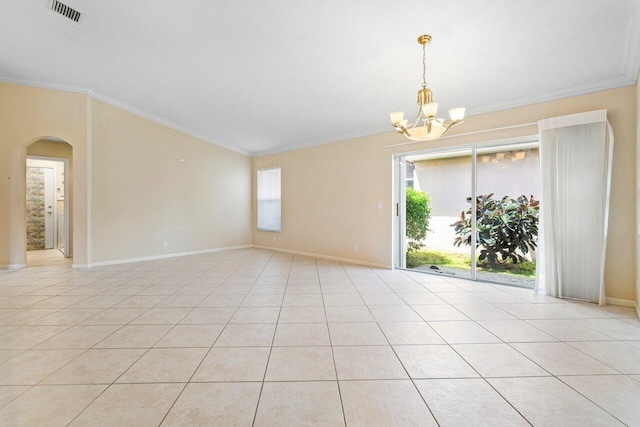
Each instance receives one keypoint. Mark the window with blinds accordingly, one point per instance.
(269, 200)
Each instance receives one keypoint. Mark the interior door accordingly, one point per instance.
(49, 213)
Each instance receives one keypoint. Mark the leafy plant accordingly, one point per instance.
(418, 214)
(504, 227)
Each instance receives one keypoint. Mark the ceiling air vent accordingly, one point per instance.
(65, 10)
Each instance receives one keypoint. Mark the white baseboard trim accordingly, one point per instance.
(80, 265)
(622, 302)
(327, 257)
(156, 257)
(12, 266)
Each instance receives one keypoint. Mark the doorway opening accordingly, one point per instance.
(48, 202)
(470, 212)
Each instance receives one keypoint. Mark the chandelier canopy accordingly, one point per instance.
(426, 125)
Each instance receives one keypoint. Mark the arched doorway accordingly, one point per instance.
(49, 202)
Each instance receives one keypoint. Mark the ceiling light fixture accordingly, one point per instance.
(430, 127)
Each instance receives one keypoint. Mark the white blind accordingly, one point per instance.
(269, 206)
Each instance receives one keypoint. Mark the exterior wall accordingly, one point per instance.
(330, 192)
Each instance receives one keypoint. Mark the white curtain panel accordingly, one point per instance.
(575, 160)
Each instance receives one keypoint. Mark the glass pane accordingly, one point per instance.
(444, 181)
(508, 190)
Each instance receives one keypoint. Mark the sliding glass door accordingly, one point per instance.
(470, 212)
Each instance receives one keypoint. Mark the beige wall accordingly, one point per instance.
(142, 195)
(65, 151)
(137, 196)
(638, 197)
(330, 192)
(27, 114)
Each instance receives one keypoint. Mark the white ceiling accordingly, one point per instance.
(268, 76)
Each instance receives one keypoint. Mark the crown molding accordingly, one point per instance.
(89, 92)
(629, 78)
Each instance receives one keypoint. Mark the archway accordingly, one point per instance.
(49, 202)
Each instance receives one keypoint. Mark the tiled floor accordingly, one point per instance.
(253, 337)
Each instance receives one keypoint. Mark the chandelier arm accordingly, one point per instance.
(415, 121)
(449, 126)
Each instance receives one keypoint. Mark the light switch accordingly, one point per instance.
(379, 205)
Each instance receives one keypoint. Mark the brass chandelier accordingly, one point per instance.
(426, 125)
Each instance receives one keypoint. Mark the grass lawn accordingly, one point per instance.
(430, 257)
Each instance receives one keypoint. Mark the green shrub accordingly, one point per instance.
(418, 213)
(503, 227)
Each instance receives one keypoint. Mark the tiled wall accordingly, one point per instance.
(35, 208)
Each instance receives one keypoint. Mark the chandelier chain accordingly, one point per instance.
(424, 67)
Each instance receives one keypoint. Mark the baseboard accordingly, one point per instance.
(622, 302)
(12, 266)
(80, 266)
(327, 257)
(156, 257)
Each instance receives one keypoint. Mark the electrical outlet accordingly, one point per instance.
(355, 248)
(379, 205)
(274, 238)
(165, 244)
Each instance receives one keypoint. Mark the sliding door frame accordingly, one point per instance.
(399, 172)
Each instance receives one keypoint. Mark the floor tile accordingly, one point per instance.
(79, 337)
(256, 315)
(10, 392)
(233, 364)
(356, 334)
(617, 394)
(239, 335)
(349, 313)
(340, 299)
(164, 365)
(498, 360)
(367, 363)
(202, 315)
(114, 316)
(483, 311)
(302, 315)
(208, 404)
(262, 301)
(135, 336)
(515, 331)
(547, 401)
(394, 314)
(299, 404)
(68, 317)
(101, 366)
(191, 336)
(300, 364)
(32, 366)
(28, 336)
(433, 361)
(384, 403)
(562, 359)
(302, 300)
(568, 330)
(301, 334)
(49, 405)
(161, 316)
(468, 402)
(421, 298)
(463, 332)
(410, 333)
(529, 311)
(618, 355)
(130, 404)
(437, 312)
